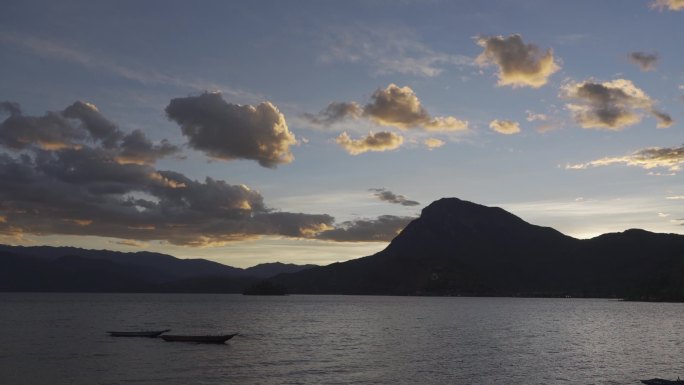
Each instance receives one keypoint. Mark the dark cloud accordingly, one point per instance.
(381, 141)
(388, 196)
(99, 127)
(114, 190)
(645, 61)
(87, 192)
(335, 112)
(11, 108)
(393, 106)
(670, 158)
(520, 64)
(138, 148)
(382, 229)
(78, 125)
(230, 131)
(610, 105)
(52, 130)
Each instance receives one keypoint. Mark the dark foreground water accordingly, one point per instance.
(60, 339)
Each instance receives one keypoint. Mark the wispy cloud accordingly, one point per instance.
(672, 5)
(670, 159)
(62, 51)
(387, 50)
(388, 196)
(589, 217)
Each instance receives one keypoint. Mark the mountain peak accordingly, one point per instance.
(451, 224)
(458, 212)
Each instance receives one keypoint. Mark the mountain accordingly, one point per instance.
(455, 247)
(267, 270)
(69, 274)
(461, 248)
(45, 268)
(168, 266)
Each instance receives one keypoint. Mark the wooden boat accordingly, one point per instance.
(146, 333)
(216, 339)
(660, 381)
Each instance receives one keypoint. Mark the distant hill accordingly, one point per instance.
(45, 268)
(267, 270)
(461, 248)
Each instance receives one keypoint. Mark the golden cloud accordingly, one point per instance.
(399, 107)
(382, 141)
(506, 127)
(393, 106)
(433, 143)
(672, 5)
(670, 158)
(520, 64)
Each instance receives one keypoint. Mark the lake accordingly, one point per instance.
(60, 339)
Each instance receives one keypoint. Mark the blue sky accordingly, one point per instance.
(580, 95)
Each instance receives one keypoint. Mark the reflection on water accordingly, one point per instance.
(60, 339)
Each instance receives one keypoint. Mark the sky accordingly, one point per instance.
(313, 131)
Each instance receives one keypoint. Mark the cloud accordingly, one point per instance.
(231, 131)
(381, 141)
(78, 125)
(533, 117)
(335, 112)
(382, 229)
(610, 105)
(670, 158)
(99, 127)
(388, 196)
(645, 61)
(100, 181)
(506, 127)
(399, 107)
(95, 60)
(130, 243)
(386, 50)
(138, 148)
(675, 197)
(520, 64)
(393, 106)
(672, 5)
(92, 179)
(432, 143)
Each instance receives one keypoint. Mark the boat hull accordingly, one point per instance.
(660, 381)
(148, 334)
(199, 339)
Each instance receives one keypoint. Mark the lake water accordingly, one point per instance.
(58, 339)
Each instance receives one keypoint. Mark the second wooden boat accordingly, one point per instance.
(212, 339)
(145, 333)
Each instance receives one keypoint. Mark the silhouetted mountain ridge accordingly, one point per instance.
(455, 247)
(461, 248)
(45, 268)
